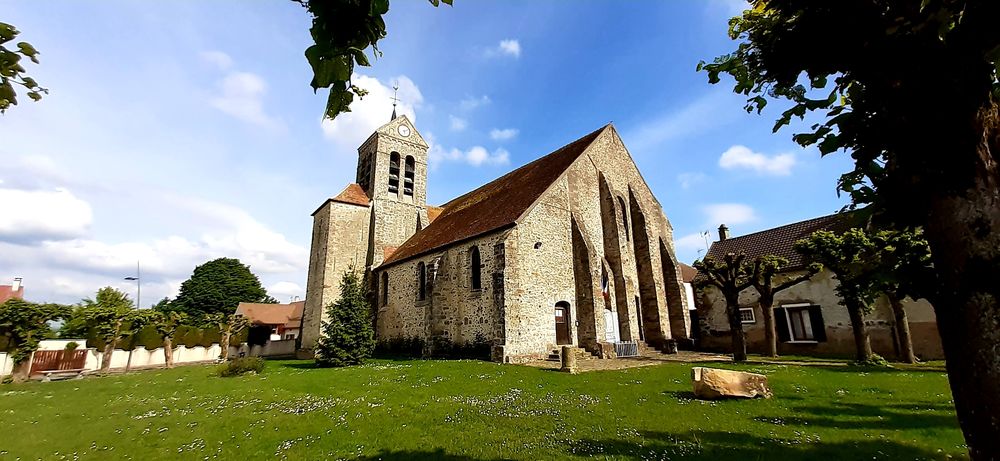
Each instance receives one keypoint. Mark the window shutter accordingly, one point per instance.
(781, 325)
(816, 318)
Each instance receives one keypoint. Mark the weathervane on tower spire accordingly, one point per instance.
(395, 88)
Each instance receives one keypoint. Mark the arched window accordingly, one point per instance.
(385, 288)
(394, 173)
(408, 176)
(621, 203)
(421, 282)
(477, 269)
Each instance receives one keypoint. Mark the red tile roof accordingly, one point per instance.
(354, 195)
(779, 241)
(494, 206)
(7, 292)
(688, 273)
(433, 212)
(289, 315)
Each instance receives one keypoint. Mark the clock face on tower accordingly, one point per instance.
(403, 130)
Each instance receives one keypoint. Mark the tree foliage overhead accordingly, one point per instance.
(883, 72)
(342, 30)
(348, 337)
(12, 72)
(218, 286)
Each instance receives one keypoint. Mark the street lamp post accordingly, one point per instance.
(138, 285)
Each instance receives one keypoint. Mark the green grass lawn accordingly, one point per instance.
(466, 409)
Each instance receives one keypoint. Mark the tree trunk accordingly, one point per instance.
(964, 232)
(224, 343)
(168, 351)
(770, 336)
(862, 342)
(902, 329)
(109, 348)
(736, 330)
(128, 363)
(21, 371)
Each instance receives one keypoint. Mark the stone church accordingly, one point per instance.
(570, 249)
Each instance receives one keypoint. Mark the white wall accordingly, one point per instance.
(6, 364)
(142, 358)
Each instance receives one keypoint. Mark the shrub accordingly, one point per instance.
(400, 346)
(876, 361)
(72, 345)
(241, 366)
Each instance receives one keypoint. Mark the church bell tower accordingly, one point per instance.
(392, 170)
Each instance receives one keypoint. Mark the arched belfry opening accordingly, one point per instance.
(394, 173)
(673, 288)
(583, 275)
(649, 307)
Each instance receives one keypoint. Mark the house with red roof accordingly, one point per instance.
(809, 319)
(283, 320)
(12, 291)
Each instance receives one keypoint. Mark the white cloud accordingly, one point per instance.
(508, 47)
(692, 242)
(217, 58)
(34, 215)
(457, 124)
(741, 157)
(475, 156)
(470, 102)
(689, 179)
(242, 97)
(367, 114)
(504, 134)
(729, 214)
(285, 289)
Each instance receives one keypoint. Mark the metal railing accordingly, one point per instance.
(627, 349)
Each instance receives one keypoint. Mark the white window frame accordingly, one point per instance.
(788, 324)
(753, 316)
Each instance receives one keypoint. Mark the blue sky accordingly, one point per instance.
(177, 132)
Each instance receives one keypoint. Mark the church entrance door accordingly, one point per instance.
(562, 323)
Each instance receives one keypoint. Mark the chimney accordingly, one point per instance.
(723, 232)
(16, 285)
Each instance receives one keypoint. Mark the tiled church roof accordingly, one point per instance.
(353, 194)
(779, 241)
(494, 206)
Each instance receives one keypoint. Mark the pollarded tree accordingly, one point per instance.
(218, 286)
(12, 72)
(906, 271)
(134, 323)
(25, 324)
(731, 276)
(910, 90)
(107, 317)
(768, 282)
(228, 325)
(853, 258)
(166, 324)
(347, 337)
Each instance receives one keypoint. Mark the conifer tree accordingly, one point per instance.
(348, 338)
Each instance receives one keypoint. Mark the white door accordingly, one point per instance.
(610, 327)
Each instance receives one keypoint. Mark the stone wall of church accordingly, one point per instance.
(339, 241)
(395, 222)
(452, 310)
(539, 275)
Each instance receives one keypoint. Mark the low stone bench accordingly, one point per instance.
(62, 374)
